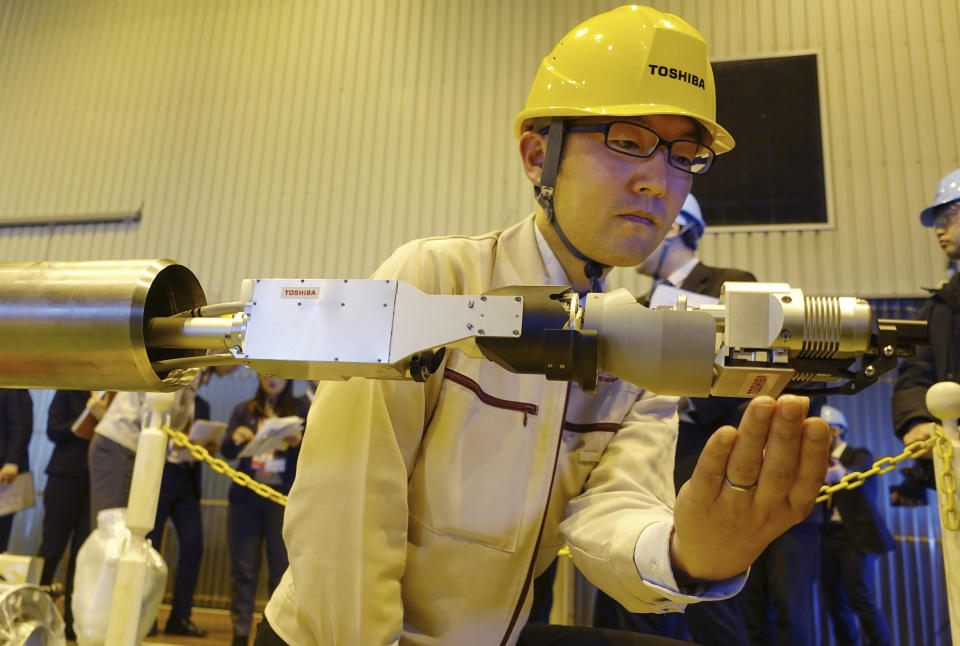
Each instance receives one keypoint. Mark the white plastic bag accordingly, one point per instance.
(96, 575)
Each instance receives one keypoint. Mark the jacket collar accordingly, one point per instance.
(517, 259)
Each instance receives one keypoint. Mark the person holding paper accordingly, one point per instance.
(253, 520)
(16, 425)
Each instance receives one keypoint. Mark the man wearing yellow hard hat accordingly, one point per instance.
(421, 513)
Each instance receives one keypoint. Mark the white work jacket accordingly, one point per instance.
(422, 512)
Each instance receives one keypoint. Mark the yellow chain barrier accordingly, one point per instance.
(884, 465)
(947, 486)
(220, 466)
(944, 449)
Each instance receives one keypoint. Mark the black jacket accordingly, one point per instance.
(939, 361)
(16, 426)
(69, 456)
(860, 520)
(704, 279)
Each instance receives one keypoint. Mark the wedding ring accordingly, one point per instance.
(737, 487)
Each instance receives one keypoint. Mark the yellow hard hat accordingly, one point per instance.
(629, 61)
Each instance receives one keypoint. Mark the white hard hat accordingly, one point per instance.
(833, 417)
(948, 190)
(690, 216)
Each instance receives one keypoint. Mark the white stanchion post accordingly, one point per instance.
(127, 600)
(943, 401)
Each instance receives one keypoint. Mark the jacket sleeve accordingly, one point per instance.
(228, 448)
(350, 496)
(914, 376)
(629, 492)
(19, 426)
(60, 418)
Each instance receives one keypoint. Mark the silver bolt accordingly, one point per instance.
(469, 326)
(483, 299)
(518, 299)
(470, 304)
(481, 331)
(786, 299)
(888, 350)
(870, 371)
(516, 333)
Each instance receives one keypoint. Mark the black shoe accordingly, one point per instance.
(178, 626)
(241, 640)
(153, 629)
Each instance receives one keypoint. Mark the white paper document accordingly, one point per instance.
(17, 495)
(272, 433)
(204, 431)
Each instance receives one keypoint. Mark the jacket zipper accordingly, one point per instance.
(490, 400)
(611, 427)
(543, 521)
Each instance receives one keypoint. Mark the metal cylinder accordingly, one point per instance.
(835, 326)
(80, 324)
(182, 332)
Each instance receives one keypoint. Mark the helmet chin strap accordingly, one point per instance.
(592, 269)
(663, 256)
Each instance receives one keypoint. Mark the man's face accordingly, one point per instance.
(947, 228)
(615, 208)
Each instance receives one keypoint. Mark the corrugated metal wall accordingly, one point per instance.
(310, 138)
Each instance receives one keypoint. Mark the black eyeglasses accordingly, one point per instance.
(634, 140)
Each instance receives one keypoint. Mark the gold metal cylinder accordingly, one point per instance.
(80, 324)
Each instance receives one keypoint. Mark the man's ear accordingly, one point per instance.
(533, 146)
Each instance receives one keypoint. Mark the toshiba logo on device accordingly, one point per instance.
(758, 386)
(298, 292)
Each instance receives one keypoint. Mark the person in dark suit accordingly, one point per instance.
(66, 498)
(16, 425)
(853, 535)
(675, 264)
(179, 501)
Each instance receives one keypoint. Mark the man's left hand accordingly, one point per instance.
(750, 485)
(8, 473)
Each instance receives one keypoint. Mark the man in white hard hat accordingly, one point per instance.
(422, 512)
(940, 360)
(674, 263)
(853, 534)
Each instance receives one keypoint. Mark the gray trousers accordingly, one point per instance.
(111, 470)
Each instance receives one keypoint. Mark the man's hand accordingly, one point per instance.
(96, 405)
(750, 485)
(242, 435)
(8, 473)
(920, 432)
(835, 473)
